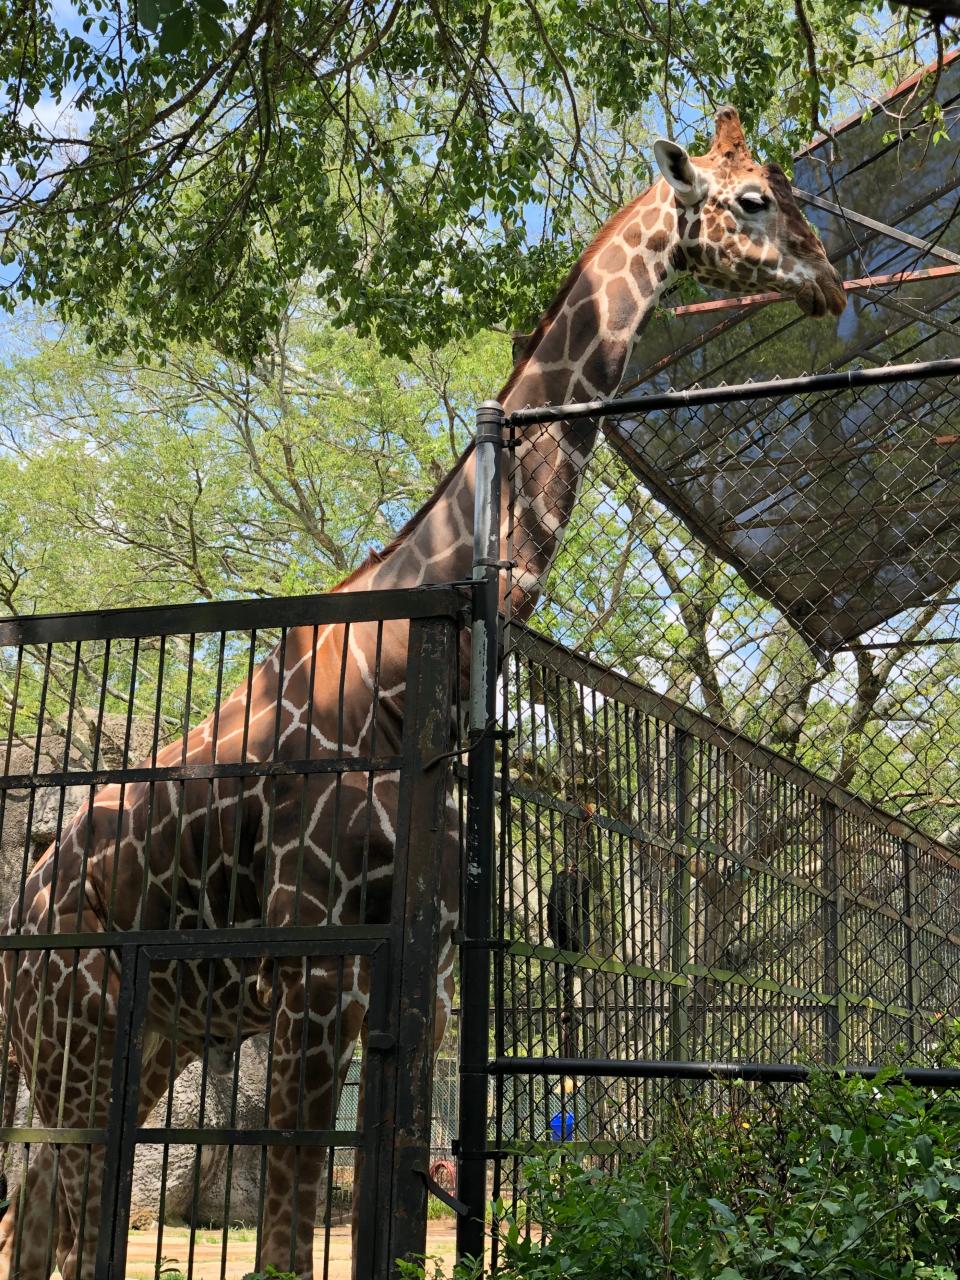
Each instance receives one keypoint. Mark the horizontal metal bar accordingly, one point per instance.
(338, 940)
(190, 1137)
(237, 615)
(520, 1149)
(250, 1137)
(896, 644)
(65, 1137)
(637, 406)
(573, 666)
(753, 1072)
(199, 772)
(352, 939)
(863, 283)
(585, 962)
(884, 228)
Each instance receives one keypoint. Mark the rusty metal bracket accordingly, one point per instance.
(444, 1196)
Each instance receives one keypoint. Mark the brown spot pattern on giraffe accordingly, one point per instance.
(621, 305)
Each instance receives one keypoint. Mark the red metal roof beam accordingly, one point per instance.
(851, 286)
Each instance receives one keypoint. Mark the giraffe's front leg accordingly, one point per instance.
(319, 1007)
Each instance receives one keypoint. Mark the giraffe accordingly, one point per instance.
(723, 217)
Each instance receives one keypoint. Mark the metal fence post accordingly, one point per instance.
(678, 1047)
(911, 985)
(833, 938)
(406, 1109)
(477, 889)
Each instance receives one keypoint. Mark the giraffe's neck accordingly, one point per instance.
(579, 352)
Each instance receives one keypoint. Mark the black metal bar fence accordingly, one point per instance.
(197, 808)
(725, 791)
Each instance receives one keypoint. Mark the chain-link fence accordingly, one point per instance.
(730, 710)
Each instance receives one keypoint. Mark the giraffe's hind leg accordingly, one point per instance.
(81, 1179)
(28, 1228)
(71, 1089)
(318, 1018)
(63, 1025)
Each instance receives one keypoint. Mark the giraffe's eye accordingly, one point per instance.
(753, 202)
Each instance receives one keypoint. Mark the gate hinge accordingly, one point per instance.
(459, 1208)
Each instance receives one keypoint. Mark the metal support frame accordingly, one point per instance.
(689, 753)
(751, 1072)
(882, 228)
(403, 1117)
(477, 888)
(636, 407)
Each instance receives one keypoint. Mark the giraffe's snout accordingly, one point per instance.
(822, 295)
(831, 286)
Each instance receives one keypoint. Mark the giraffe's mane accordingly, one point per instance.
(377, 557)
(606, 233)
(608, 230)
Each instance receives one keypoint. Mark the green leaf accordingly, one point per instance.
(931, 1188)
(148, 14)
(212, 31)
(924, 1147)
(177, 31)
(723, 1212)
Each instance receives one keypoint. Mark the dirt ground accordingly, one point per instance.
(207, 1253)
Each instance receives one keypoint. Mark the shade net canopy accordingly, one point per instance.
(839, 506)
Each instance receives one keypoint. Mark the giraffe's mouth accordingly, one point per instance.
(822, 296)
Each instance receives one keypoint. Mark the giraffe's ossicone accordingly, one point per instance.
(310, 850)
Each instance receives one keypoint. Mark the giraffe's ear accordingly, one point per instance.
(680, 171)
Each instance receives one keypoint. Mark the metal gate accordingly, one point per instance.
(166, 1025)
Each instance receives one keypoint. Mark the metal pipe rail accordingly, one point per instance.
(638, 405)
(751, 1072)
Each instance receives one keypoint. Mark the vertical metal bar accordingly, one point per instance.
(367, 1170)
(406, 1112)
(680, 898)
(911, 992)
(118, 1155)
(835, 1049)
(481, 833)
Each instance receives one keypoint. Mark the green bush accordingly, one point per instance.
(846, 1179)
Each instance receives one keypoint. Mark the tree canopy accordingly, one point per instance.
(171, 171)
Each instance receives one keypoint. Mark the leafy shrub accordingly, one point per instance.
(848, 1179)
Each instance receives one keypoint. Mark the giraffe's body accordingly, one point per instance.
(235, 866)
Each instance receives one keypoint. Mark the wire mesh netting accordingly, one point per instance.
(727, 799)
(835, 645)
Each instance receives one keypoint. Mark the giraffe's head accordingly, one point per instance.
(739, 226)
